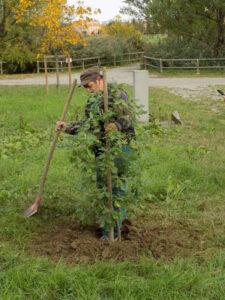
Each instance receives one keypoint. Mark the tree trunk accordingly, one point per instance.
(220, 15)
(3, 21)
(109, 175)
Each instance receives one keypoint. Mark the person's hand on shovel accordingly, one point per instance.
(60, 125)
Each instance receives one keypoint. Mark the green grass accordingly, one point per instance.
(39, 279)
(187, 72)
(33, 75)
(183, 178)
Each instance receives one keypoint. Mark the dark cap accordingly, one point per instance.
(89, 75)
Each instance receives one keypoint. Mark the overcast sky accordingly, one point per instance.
(109, 8)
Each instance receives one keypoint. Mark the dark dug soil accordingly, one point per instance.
(78, 244)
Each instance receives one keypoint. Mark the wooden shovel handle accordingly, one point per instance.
(55, 140)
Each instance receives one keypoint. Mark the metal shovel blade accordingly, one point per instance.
(33, 209)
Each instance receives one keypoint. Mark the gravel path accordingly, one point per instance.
(125, 75)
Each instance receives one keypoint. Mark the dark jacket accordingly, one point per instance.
(122, 118)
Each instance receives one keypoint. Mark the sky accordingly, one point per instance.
(109, 8)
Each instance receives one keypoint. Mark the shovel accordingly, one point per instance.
(32, 210)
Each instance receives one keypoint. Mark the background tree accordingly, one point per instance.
(140, 9)
(57, 19)
(201, 21)
(19, 43)
(123, 30)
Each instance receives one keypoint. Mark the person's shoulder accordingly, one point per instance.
(93, 97)
(121, 94)
(117, 91)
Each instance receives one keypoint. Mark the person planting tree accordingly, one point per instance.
(119, 130)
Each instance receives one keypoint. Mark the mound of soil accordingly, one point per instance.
(79, 244)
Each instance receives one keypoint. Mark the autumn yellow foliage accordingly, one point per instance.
(121, 29)
(57, 19)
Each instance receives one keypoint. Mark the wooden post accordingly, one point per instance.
(83, 64)
(69, 72)
(197, 63)
(161, 65)
(109, 174)
(145, 64)
(61, 64)
(114, 60)
(142, 60)
(57, 72)
(46, 72)
(38, 66)
(1, 64)
(99, 62)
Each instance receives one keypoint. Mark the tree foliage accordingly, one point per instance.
(141, 10)
(57, 19)
(117, 28)
(198, 20)
(106, 47)
(94, 200)
(31, 27)
(19, 43)
(123, 30)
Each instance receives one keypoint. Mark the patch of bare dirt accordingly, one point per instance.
(78, 244)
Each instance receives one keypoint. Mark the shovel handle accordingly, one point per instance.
(55, 141)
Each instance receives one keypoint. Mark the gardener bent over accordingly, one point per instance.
(120, 120)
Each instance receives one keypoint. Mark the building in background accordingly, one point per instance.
(93, 28)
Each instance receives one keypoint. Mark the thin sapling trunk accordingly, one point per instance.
(109, 174)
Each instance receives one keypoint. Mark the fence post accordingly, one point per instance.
(83, 64)
(197, 63)
(142, 60)
(38, 66)
(69, 72)
(99, 61)
(1, 64)
(145, 64)
(161, 65)
(57, 71)
(46, 72)
(114, 60)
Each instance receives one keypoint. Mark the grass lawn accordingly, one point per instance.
(187, 72)
(183, 180)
